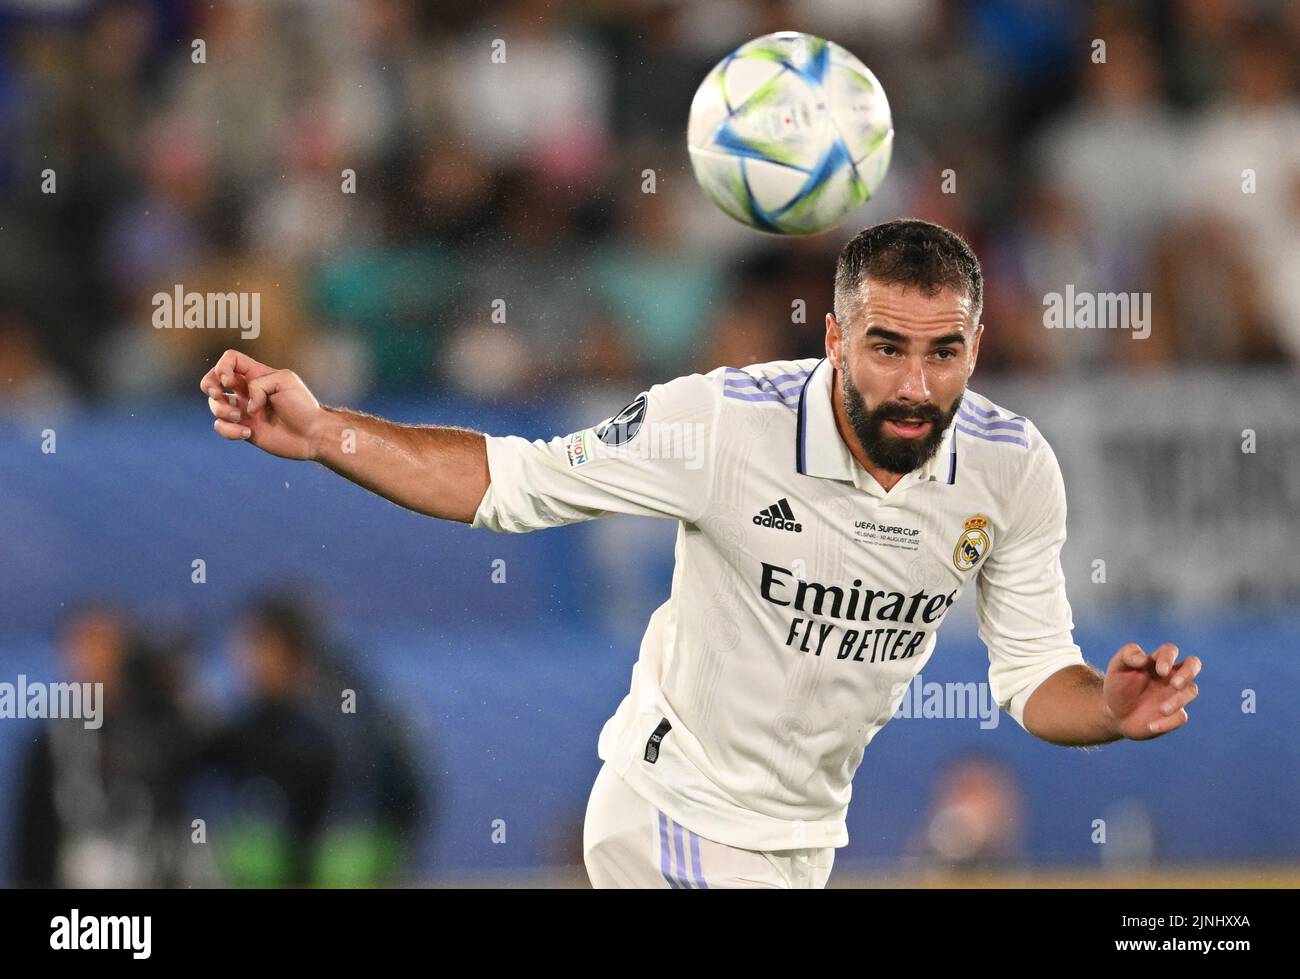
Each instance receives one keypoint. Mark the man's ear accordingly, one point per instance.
(834, 339)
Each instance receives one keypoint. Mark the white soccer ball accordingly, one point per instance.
(789, 133)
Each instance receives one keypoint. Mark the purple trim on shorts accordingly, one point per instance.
(681, 856)
(664, 865)
(695, 861)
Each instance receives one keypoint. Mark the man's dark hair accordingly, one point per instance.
(290, 619)
(907, 252)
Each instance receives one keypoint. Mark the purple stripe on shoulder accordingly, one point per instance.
(992, 437)
(755, 389)
(758, 396)
(992, 424)
(745, 382)
(985, 412)
(751, 395)
(775, 378)
(795, 376)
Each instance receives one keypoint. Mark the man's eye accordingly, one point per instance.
(886, 349)
(945, 354)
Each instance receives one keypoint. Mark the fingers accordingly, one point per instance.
(1173, 709)
(224, 410)
(1164, 659)
(1161, 661)
(229, 367)
(1174, 694)
(1186, 673)
(1180, 699)
(229, 430)
(261, 389)
(211, 383)
(1170, 723)
(1131, 656)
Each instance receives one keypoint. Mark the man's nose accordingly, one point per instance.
(915, 386)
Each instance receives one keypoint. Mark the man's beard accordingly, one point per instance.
(894, 454)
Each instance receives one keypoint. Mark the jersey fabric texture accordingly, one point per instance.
(805, 597)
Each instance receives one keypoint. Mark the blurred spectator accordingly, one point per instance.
(1210, 299)
(1132, 835)
(278, 753)
(1116, 154)
(1245, 168)
(29, 383)
(664, 291)
(103, 806)
(1281, 278)
(748, 332)
(1254, 126)
(531, 88)
(1050, 246)
(975, 820)
(379, 809)
(292, 818)
(1199, 50)
(242, 92)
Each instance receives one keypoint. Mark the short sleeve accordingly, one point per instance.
(654, 458)
(1024, 614)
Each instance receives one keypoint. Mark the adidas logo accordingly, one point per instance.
(779, 516)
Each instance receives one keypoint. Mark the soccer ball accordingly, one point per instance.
(789, 133)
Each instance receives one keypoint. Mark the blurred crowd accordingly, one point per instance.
(290, 787)
(500, 239)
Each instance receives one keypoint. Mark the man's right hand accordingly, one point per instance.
(272, 409)
(439, 471)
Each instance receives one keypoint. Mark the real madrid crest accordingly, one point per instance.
(973, 543)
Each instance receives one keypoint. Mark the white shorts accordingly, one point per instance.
(627, 842)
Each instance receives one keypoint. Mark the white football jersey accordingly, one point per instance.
(805, 597)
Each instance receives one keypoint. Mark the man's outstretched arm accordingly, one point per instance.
(1036, 670)
(1138, 697)
(438, 471)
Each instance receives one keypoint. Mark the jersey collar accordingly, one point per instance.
(821, 451)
